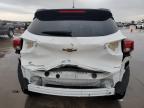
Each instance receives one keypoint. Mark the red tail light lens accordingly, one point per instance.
(128, 45)
(17, 43)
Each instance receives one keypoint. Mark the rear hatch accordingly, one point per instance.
(85, 38)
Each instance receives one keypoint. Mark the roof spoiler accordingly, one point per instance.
(73, 14)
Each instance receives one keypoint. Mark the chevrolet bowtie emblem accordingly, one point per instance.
(69, 49)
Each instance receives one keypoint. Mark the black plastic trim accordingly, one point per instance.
(71, 87)
(120, 87)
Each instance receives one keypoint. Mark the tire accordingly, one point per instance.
(121, 87)
(29, 93)
(10, 33)
(24, 82)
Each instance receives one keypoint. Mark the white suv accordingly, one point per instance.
(140, 26)
(74, 52)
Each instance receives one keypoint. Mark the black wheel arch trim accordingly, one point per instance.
(120, 87)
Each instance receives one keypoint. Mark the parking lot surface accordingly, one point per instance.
(12, 97)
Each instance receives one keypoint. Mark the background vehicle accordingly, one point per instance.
(140, 26)
(6, 29)
(119, 24)
(19, 25)
(74, 52)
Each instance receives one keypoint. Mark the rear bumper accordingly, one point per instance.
(71, 92)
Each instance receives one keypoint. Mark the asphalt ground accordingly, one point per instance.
(11, 95)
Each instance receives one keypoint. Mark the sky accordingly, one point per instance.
(23, 10)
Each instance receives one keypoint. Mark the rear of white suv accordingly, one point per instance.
(74, 52)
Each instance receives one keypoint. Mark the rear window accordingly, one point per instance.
(74, 25)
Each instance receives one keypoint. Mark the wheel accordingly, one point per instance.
(29, 93)
(121, 87)
(10, 33)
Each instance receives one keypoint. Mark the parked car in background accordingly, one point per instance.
(19, 25)
(140, 26)
(6, 29)
(119, 24)
(74, 52)
(126, 24)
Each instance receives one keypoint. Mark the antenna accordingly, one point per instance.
(73, 4)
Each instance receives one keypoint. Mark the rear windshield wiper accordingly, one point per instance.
(58, 33)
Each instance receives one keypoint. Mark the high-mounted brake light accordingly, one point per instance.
(128, 45)
(17, 43)
(71, 11)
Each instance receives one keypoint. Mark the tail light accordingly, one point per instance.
(128, 46)
(17, 44)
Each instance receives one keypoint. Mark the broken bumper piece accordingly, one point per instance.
(71, 92)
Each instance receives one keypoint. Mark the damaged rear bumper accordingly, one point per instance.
(71, 92)
(102, 85)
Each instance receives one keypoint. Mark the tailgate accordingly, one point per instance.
(88, 52)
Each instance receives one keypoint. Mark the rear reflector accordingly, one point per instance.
(72, 11)
(128, 45)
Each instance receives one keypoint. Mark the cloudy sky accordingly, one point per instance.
(123, 10)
